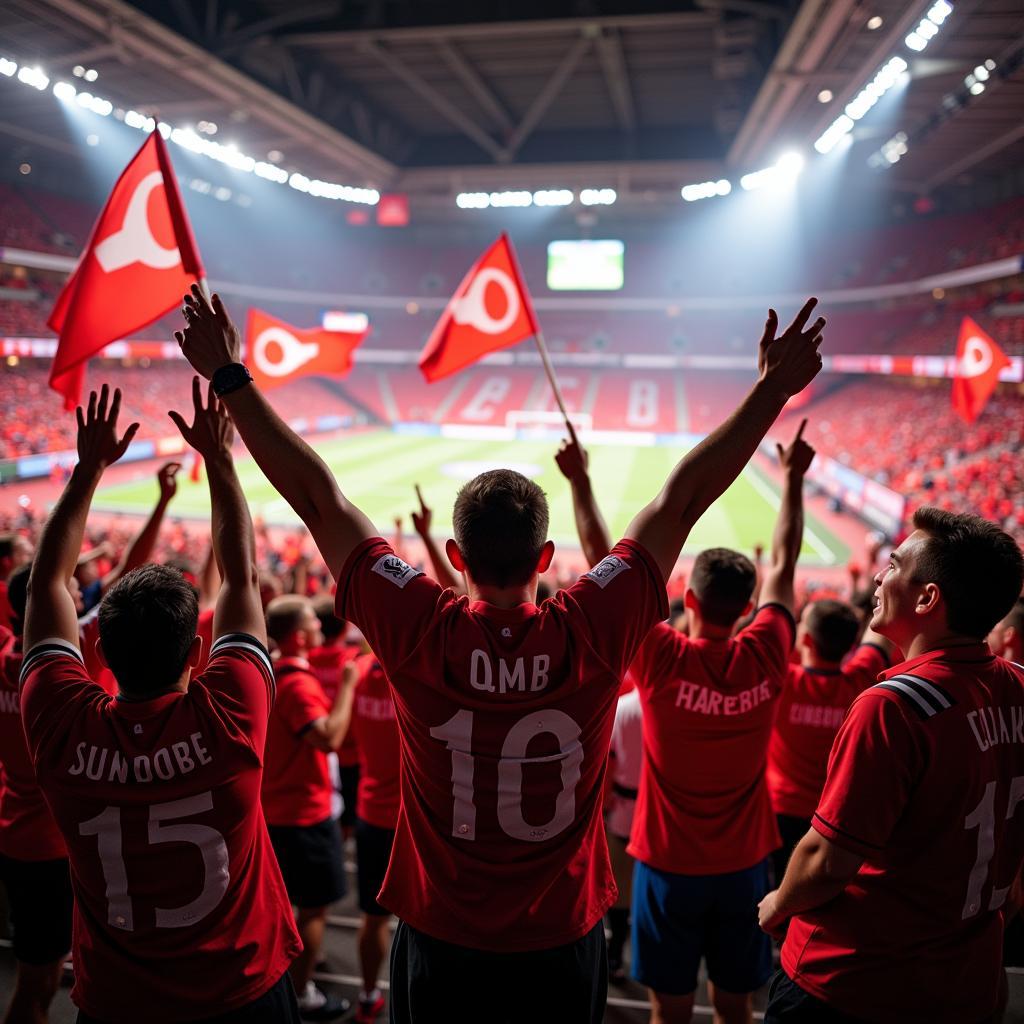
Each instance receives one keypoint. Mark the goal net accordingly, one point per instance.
(536, 423)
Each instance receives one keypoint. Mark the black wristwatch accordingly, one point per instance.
(230, 378)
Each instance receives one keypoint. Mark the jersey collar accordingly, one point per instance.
(520, 613)
(960, 654)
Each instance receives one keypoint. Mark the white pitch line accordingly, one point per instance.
(775, 500)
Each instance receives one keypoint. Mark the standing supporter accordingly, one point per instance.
(180, 910)
(33, 858)
(895, 896)
(328, 661)
(505, 709)
(1007, 636)
(376, 727)
(703, 826)
(304, 728)
(15, 551)
(814, 700)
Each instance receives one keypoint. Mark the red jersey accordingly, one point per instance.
(708, 706)
(27, 828)
(326, 664)
(812, 707)
(505, 717)
(925, 783)
(296, 780)
(180, 909)
(374, 722)
(6, 611)
(204, 629)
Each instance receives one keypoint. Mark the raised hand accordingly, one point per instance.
(165, 477)
(791, 361)
(211, 432)
(210, 339)
(98, 443)
(797, 458)
(421, 520)
(573, 461)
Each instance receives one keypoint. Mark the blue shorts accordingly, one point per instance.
(680, 919)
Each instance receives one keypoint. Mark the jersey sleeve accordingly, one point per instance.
(301, 701)
(240, 678)
(865, 665)
(53, 684)
(617, 603)
(770, 636)
(872, 771)
(659, 653)
(391, 602)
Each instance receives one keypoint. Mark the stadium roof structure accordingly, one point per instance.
(433, 99)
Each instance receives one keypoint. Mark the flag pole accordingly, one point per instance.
(553, 381)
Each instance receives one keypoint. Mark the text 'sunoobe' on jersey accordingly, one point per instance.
(179, 904)
(925, 782)
(505, 717)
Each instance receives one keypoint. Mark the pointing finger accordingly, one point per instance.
(800, 431)
(804, 315)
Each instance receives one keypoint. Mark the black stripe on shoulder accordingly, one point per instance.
(931, 697)
(935, 688)
(920, 708)
(245, 642)
(46, 649)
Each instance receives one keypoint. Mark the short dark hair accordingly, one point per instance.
(284, 616)
(330, 625)
(17, 593)
(723, 581)
(833, 626)
(147, 622)
(977, 567)
(501, 525)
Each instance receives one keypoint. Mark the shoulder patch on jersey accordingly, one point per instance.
(396, 571)
(923, 696)
(606, 570)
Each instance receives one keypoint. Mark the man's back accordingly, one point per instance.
(506, 717)
(703, 806)
(937, 750)
(178, 896)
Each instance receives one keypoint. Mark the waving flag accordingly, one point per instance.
(979, 361)
(490, 310)
(139, 261)
(277, 352)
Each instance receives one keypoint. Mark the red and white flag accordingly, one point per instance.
(139, 261)
(979, 361)
(490, 310)
(277, 352)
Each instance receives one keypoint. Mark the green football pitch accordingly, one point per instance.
(377, 470)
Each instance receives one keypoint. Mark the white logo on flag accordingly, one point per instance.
(135, 243)
(977, 357)
(294, 353)
(470, 309)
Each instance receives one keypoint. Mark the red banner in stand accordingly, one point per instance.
(490, 310)
(139, 261)
(979, 361)
(277, 352)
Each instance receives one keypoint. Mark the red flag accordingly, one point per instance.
(139, 261)
(979, 361)
(197, 467)
(277, 352)
(490, 310)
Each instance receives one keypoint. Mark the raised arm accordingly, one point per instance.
(51, 608)
(787, 365)
(327, 733)
(238, 609)
(443, 572)
(574, 462)
(141, 548)
(789, 526)
(210, 342)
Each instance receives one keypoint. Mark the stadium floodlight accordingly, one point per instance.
(928, 27)
(598, 196)
(885, 78)
(512, 198)
(64, 91)
(473, 200)
(91, 75)
(35, 77)
(784, 171)
(553, 197)
(7, 67)
(706, 190)
(890, 153)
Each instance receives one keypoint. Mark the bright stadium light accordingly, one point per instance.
(553, 197)
(7, 67)
(887, 76)
(598, 196)
(514, 198)
(706, 190)
(35, 77)
(784, 171)
(928, 27)
(64, 91)
(473, 200)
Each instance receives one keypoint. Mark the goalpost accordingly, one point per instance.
(531, 424)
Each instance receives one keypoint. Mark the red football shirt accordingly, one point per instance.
(811, 709)
(708, 706)
(376, 728)
(27, 828)
(326, 664)
(925, 782)
(180, 909)
(505, 717)
(296, 779)
(204, 629)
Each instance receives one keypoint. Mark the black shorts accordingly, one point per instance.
(373, 851)
(349, 774)
(788, 1003)
(311, 861)
(41, 903)
(563, 985)
(276, 1006)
